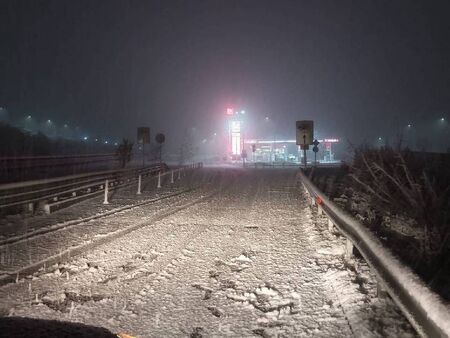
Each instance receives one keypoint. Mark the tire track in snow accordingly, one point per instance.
(64, 255)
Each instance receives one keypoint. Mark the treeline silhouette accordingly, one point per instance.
(16, 142)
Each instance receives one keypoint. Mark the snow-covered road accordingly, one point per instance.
(250, 260)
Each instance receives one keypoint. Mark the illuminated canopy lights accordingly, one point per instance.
(250, 141)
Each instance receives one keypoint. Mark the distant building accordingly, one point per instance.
(287, 151)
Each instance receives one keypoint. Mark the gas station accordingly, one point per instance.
(266, 150)
(288, 151)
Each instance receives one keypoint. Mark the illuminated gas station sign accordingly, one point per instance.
(235, 131)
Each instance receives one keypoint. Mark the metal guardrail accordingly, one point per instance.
(29, 193)
(26, 162)
(55, 193)
(424, 309)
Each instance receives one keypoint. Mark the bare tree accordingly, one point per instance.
(409, 183)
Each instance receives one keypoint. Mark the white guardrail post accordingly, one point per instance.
(159, 179)
(105, 201)
(425, 310)
(171, 176)
(139, 185)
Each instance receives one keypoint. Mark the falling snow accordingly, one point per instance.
(240, 255)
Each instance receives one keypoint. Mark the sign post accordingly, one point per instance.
(160, 138)
(304, 136)
(143, 137)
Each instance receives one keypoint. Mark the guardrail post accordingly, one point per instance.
(30, 207)
(319, 210)
(313, 201)
(47, 209)
(139, 185)
(106, 192)
(381, 291)
(171, 177)
(159, 179)
(179, 174)
(348, 248)
(330, 225)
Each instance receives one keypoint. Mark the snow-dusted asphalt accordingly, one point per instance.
(249, 260)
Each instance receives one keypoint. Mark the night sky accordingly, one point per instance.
(358, 68)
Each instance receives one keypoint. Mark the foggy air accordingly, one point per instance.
(219, 168)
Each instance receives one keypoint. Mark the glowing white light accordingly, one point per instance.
(327, 140)
(409, 125)
(235, 129)
(106, 142)
(49, 121)
(85, 138)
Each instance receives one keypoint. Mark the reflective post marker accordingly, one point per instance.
(139, 185)
(159, 179)
(106, 193)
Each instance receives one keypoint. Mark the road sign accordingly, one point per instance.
(160, 138)
(316, 148)
(305, 132)
(143, 135)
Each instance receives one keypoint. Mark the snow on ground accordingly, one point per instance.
(251, 261)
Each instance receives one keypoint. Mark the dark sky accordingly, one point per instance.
(356, 67)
